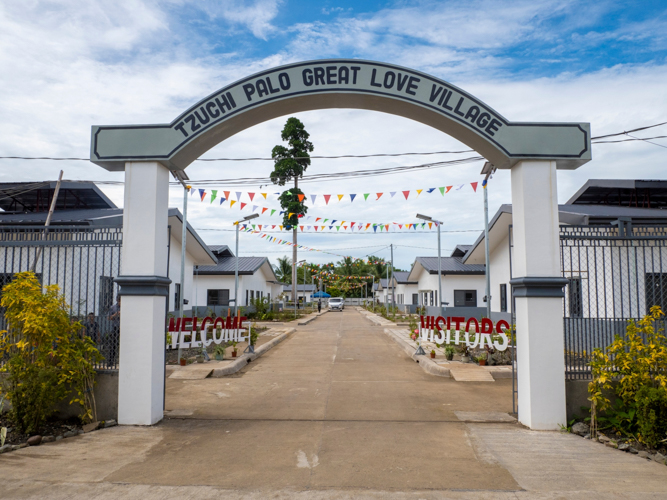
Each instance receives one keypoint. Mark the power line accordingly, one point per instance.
(372, 155)
(626, 131)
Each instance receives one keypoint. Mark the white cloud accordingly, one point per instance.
(98, 63)
(255, 16)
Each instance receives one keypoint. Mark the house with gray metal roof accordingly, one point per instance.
(82, 250)
(462, 284)
(214, 284)
(613, 207)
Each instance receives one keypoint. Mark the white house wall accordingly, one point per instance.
(256, 282)
(500, 274)
(175, 274)
(429, 282)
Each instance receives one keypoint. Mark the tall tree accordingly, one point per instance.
(284, 270)
(289, 165)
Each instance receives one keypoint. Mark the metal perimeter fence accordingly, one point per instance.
(615, 274)
(83, 262)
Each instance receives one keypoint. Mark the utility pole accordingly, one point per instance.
(38, 254)
(489, 170)
(181, 177)
(386, 293)
(393, 294)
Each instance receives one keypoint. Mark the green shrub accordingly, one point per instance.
(652, 415)
(47, 355)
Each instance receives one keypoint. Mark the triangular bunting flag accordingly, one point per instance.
(379, 196)
(352, 196)
(226, 194)
(273, 210)
(474, 186)
(406, 194)
(202, 193)
(243, 205)
(231, 203)
(312, 197)
(340, 197)
(238, 195)
(264, 209)
(419, 191)
(301, 197)
(366, 196)
(442, 191)
(222, 200)
(264, 195)
(326, 198)
(254, 207)
(448, 188)
(430, 224)
(214, 194)
(430, 190)
(251, 196)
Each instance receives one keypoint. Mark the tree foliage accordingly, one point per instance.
(47, 356)
(638, 362)
(290, 163)
(284, 270)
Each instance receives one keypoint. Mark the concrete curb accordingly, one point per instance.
(433, 368)
(310, 318)
(425, 362)
(374, 318)
(235, 366)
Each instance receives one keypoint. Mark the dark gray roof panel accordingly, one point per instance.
(227, 266)
(35, 197)
(450, 265)
(460, 250)
(402, 277)
(88, 217)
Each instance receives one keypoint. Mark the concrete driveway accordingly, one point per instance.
(335, 411)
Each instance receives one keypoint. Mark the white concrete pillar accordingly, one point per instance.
(538, 288)
(143, 288)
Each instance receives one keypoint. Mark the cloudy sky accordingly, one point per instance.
(67, 65)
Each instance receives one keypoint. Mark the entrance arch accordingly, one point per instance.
(340, 83)
(533, 152)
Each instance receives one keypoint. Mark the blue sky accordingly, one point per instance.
(73, 63)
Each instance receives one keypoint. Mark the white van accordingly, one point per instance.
(336, 304)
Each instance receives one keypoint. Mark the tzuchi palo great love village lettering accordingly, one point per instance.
(447, 330)
(228, 329)
(309, 78)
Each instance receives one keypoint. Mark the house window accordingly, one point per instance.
(177, 296)
(268, 297)
(503, 297)
(415, 299)
(656, 288)
(252, 296)
(217, 297)
(465, 298)
(247, 294)
(574, 296)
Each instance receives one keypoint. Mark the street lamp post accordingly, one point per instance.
(438, 224)
(236, 270)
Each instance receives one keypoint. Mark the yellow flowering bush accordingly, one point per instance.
(638, 363)
(46, 355)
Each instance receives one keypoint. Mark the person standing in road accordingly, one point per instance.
(319, 305)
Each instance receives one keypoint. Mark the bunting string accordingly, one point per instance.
(229, 198)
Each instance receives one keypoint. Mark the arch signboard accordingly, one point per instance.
(340, 83)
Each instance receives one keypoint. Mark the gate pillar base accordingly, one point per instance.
(538, 296)
(144, 291)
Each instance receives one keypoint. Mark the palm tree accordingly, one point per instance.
(284, 270)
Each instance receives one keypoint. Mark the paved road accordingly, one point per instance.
(335, 411)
